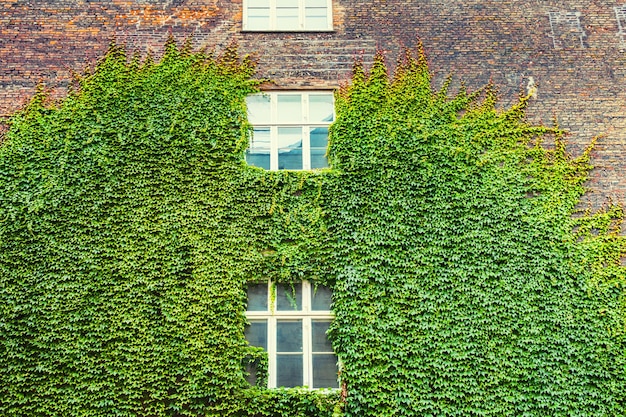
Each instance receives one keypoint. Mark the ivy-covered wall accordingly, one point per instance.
(573, 52)
(465, 283)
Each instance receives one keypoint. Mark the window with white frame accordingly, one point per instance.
(287, 15)
(290, 322)
(620, 14)
(290, 129)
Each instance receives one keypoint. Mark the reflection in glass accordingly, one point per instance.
(258, 154)
(289, 370)
(256, 333)
(322, 298)
(290, 159)
(325, 371)
(289, 108)
(321, 108)
(289, 336)
(319, 143)
(257, 297)
(289, 148)
(319, 337)
(259, 108)
(289, 297)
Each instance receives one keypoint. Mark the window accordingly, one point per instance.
(287, 15)
(290, 323)
(567, 31)
(620, 14)
(290, 129)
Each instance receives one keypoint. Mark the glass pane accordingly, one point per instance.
(315, 18)
(259, 109)
(290, 159)
(289, 148)
(290, 137)
(315, 12)
(256, 333)
(287, 3)
(319, 137)
(289, 297)
(318, 159)
(257, 297)
(289, 108)
(287, 12)
(261, 160)
(289, 336)
(316, 23)
(315, 3)
(319, 339)
(258, 11)
(287, 15)
(319, 143)
(259, 3)
(321, 108)
(287, 23)
(288, 370)
(322, 297)
(258, 154)
(258, 23)
(325, 371)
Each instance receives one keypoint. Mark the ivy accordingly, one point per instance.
(466, 280)
(461, 289)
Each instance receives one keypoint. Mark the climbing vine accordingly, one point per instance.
(461, 289)
(465, 280)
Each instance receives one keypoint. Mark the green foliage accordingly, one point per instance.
(465, 281)
(129, 228)
(461, 289)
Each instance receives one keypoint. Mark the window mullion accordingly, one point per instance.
(329, 14)
(301, 13)
(274, 130)
(244, 18)
(306, 297)
(271, 351)
(306, 142)
(307, 345)
(273, 15)
(273, 148)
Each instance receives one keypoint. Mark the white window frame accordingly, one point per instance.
(307, 315)
(273, 24)
(305, 124)
(620, 15)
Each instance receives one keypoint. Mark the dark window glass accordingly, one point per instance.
(257, 297)
(325, 371)
(289, 336)
(322, 297)
(318, 334)
(289, 370)
(289, 297)
(256, 333)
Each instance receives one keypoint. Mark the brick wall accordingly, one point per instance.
(573, 51)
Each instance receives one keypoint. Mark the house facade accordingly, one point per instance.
(570, 55)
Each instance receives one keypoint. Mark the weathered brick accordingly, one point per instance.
(578, 63)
